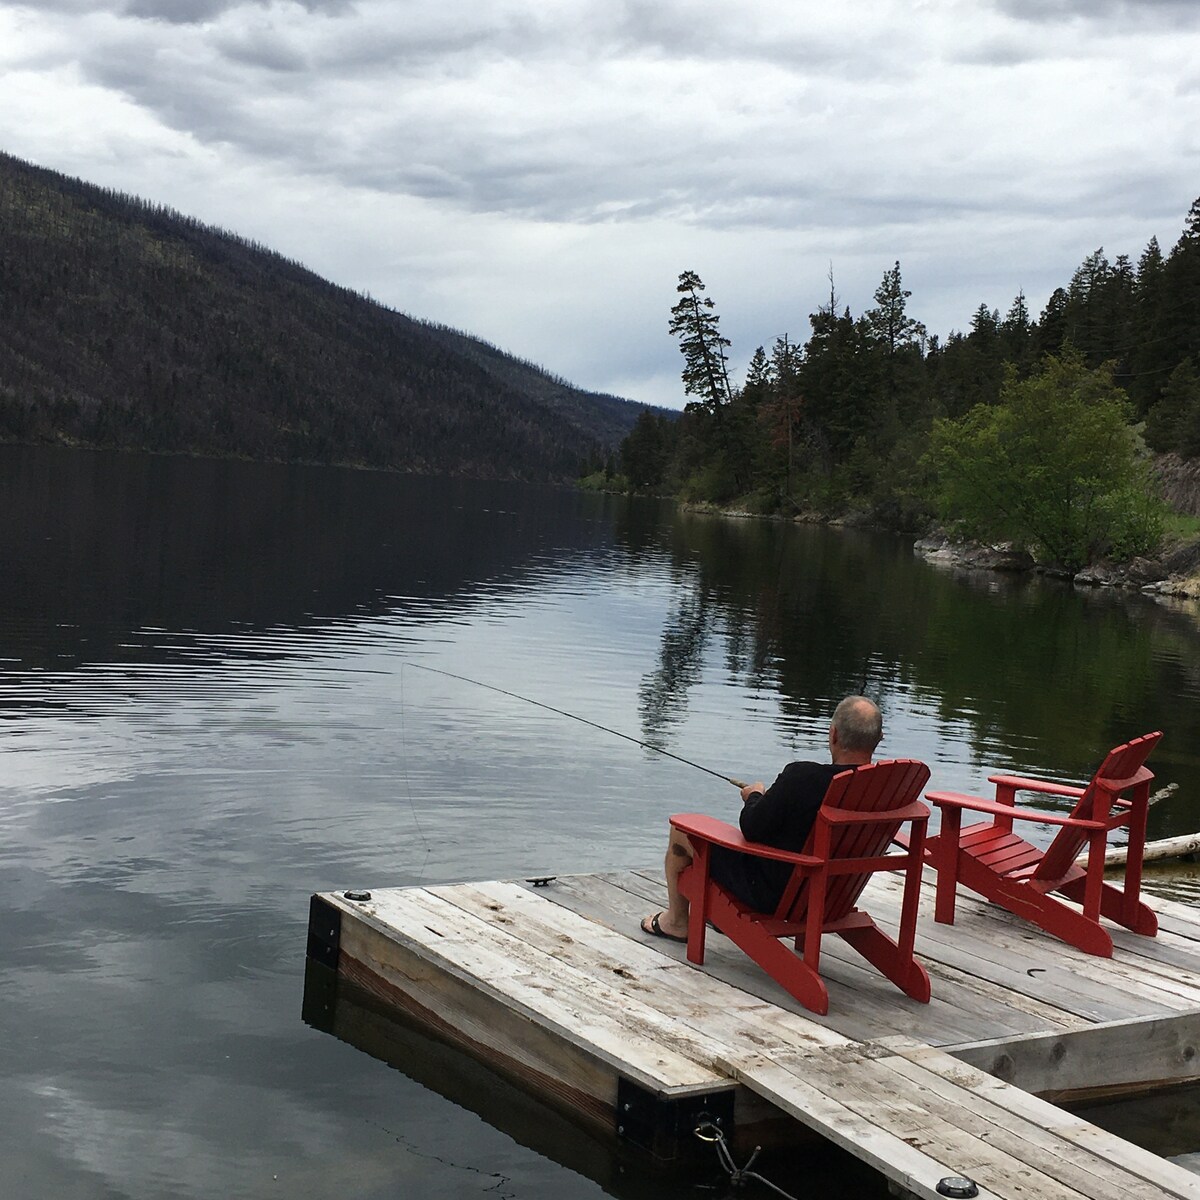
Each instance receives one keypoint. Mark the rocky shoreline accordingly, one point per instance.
(1176, 572)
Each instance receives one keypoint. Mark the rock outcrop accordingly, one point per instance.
(972, 555)
(1176, 573)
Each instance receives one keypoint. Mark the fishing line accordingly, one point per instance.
(408, 782)
(737, 783)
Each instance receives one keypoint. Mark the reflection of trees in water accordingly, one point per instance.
(1037, 674)
(662, 696)
(778, 598)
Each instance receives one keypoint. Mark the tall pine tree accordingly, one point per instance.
(706, 367)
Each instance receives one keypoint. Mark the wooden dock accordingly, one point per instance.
(555, 988)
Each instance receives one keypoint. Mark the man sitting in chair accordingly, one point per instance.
(779, 816)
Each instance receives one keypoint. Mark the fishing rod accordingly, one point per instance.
(562, 712)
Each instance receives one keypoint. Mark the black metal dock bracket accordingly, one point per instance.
(665, 1126)
(324, 932)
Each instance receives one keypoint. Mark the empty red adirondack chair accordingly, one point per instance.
(989, 858)
(861, 812)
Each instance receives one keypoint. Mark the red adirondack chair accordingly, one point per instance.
(989, 858)
(858, 818)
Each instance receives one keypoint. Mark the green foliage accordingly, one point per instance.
(602, 481)
(712, 483)
(1052, 467)
(899, 485)
(1180, 527)
(1174, 421)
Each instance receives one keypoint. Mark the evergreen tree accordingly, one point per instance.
(780, 414)
(889, 320)
(1146, 371)
(842, 382)
(1016, 335)
(1050, 336)
(1180, 325)
(646, 452)
(696, 324)
(1083, 329)
(987, 353)
(1149, 266)
(902, 339)
(1173, 423)
(758, 373)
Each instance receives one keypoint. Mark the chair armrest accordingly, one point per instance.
(1020, 784)
(916, 811)
(720, 833)
(978, 804)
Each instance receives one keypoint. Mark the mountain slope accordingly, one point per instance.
(124, 324)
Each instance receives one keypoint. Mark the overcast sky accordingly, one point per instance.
(539, 172)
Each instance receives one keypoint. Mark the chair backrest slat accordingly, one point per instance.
(1121, 768)
(879, 788)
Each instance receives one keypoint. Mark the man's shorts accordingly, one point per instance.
(742, 875)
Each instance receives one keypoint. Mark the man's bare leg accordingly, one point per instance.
(673, 920)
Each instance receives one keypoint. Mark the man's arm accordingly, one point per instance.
(762, 810)
(784, 813)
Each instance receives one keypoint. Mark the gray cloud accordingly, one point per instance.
(257, 48)
(493, 114)
(1047, 11)
(183, 12)
(1006, 50)
(472, 138)
(190, 12)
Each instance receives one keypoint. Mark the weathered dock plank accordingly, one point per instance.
(868, 994)
(1003, 978)
(868, 999)
(1151, 974)
(820, 1089)
(1116, 1152)
(558, 989)
(538, 985)
(1114, 1058)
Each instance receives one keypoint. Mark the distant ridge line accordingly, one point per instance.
(126, 324)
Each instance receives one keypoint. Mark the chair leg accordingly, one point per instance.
(693, 884)
(1044, 911)
(884, 954)
(941, 851)
(789, 970)
(1114, 904)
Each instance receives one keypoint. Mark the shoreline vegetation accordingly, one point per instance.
(1174, 571)
(1072, 440)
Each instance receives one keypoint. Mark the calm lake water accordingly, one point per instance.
(211, 706)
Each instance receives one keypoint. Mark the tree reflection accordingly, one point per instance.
(1034, 670)
(662, 696)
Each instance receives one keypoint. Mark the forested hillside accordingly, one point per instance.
(873, 414)
(125, 324)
